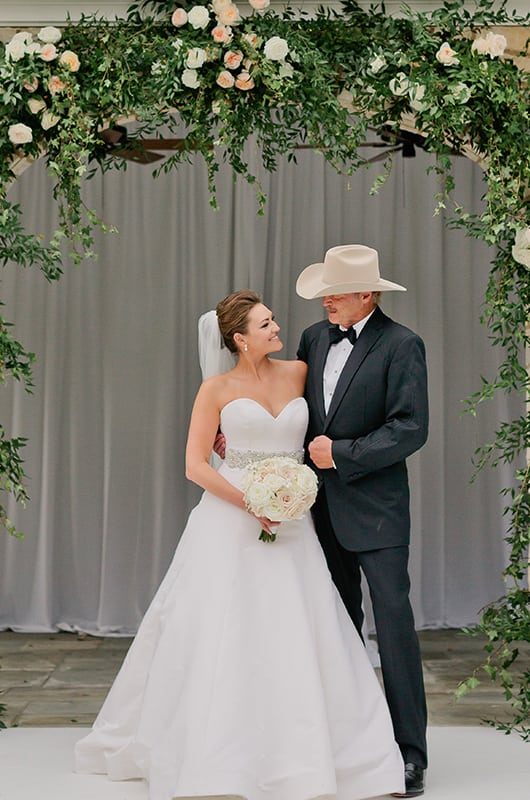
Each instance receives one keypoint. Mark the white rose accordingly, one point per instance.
(195, 58)
(376, 65)
(496, 44)
(461, 92)
(220, 5)
(48, 120)
(15, 50)
(198, 17)
(22, 36)
(20, 133)
(286, 71)
(399, 85)
(33, 47)
(259, 5)
(49, 35)
(35, 105)
(521, 248)
(345, 99)
(480, 46)
(190, 79)
(447, 56)
(276, 48)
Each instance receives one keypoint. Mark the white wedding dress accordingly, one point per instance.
(247, 677)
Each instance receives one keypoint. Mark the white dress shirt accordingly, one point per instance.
(337, 356)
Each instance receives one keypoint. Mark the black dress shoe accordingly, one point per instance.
(414, 781)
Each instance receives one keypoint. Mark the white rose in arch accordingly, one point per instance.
(345, 99)
(259, 5)
(20, 133)
(198, 17)
(276, 49)
(399, 85)
(22, 36)
(376, 65)
(521, 248)
(195, 58)
(36, 105)
(190, 79)
(49, 35)
(480, 46)
(15, 50)
(48, 120)
(286, 71)
(496, 43)
(461, 92)
(447, 56)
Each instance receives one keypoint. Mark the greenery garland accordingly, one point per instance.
(288, 79)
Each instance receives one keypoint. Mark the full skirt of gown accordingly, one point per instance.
(247, 677)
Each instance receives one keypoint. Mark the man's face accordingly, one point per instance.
(347, 309)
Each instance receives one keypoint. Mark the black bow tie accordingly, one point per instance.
(336, 334)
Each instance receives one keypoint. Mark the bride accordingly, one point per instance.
(246, 678)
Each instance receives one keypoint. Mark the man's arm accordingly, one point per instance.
(407, 418)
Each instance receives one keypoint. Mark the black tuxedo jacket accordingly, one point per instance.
(378, 416)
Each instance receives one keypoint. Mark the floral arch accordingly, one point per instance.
(447, 76)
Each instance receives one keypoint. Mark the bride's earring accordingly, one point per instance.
(245, 347)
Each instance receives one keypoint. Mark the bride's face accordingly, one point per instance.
(262, 330)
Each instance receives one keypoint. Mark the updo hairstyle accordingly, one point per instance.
(232, 315)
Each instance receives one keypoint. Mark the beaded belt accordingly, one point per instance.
(237, 459)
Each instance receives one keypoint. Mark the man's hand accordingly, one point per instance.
(219, 445)
(320, 452)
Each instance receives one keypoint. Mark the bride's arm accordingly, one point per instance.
(203, 428)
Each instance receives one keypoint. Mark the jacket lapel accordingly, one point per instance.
(370, 334)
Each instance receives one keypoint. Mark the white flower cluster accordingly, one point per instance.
(279, 488)
(44, 48)
(236, 70)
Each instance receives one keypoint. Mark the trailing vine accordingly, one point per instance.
(285, 79)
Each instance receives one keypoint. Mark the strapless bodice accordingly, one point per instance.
(249, 427)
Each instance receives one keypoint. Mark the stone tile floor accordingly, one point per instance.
(61, 679)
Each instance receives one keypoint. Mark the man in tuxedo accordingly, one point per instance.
(367, 395)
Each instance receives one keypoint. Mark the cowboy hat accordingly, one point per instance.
(346, 268)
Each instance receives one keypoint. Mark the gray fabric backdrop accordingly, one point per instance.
(117, 371)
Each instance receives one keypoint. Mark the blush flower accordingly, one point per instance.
(251, 38)
(225, 79)
(56, 85)
(493, 45)
(33, 86)
(447, 56)
(229, 15)
(221, 34)
(48, 52)
(244, 82)
(70, 60)
(179, 17)
(259, 5)
(233, 59)
(20, 133)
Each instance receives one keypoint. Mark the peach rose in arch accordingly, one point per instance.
(233, 59)
(225, 79)
(70, 60)
(48, 52)
(56, 85)
(221, 34)
(179, 17)
(244, 82)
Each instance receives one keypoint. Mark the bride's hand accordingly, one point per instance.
(267, 524)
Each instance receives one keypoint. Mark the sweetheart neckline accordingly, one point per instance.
(266, 410)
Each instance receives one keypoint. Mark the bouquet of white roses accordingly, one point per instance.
(279, 488)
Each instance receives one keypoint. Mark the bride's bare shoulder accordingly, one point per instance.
(293, 370)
